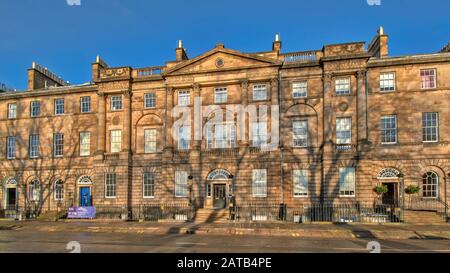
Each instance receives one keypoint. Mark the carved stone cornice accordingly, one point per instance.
(244, 83)
(127, 94)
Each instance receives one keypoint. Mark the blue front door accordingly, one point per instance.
(85, 197)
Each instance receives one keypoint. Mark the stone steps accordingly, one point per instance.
(211, 216)
(423, 217)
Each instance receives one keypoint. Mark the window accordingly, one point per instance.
(116, 103)
(150, 141)
(389, 129)
(116, 141)
(34, 190)
(58, 191)
(34, 146)
(220, 95)
(12, 111)
(300, 90)
(181, 184)
(35, 109)
(221, 136)
(259, 134)
(387, 82)
(343, 131)
(347, 182)
(59, 107)
(149, 185)
(58, 144)
(259, 92)
(343, 86)
(11, 147)
(300, 178)
(430, 127)
(110, 185)
(300, 134)
(184, 98)
(85, 104)
(428, 78)
(430, 182)
(184, 136)
(85, 143)
(259, 183)
(149, 100)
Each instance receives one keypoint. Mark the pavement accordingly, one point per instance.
(314, 231)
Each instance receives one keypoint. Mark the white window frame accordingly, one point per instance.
(300, 180)
(110, 181)
(34, 146)
(115, 139)
(184, 98)
(85, 143)
(35, 109)
(347, 188)
(228, 137)
(58, 196)
(12, 110)
(426, 126)
(339, 83)
(150, 141)
(34, 190)
(260, 92)
(259, 182)
(148, 177)
(387, 82)
(58, 145)
(116, 103)
(259, 134)
(11, 147)
(150, 100)
(428, 190)
(426, 78)
(300, 89)
(184, 137)
(85, 104)
(220, 95)
(384, 130)
(300, 136)
(347, 139)
(59, 105)
(181, 184)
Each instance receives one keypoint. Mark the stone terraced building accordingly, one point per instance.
(349, 118)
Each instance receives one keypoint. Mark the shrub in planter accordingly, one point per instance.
(380, 190)
(412, 189)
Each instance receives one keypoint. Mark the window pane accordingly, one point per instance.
(150, 141)
(116, 103)
(59, 106)
(184, 135)
(430, 127)
(11, 147)
(184, 98)
(110, 185)
(342, 86)
(347, 181)
(259, 133)
(85, 143)
(34, 146)
(35, 108)
(220, 95)
(300, 89)
(150, 100)
(259, 92)
(85, 104)
(116, 141)
(300, 133)
(389, 129)
(387, 81)
(149, 185)
(343, 130)
(58, 144)
(259, 183)
(300, 179)
(181, 184)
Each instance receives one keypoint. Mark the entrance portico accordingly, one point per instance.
(219, 188)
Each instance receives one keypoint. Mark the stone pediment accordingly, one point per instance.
(221, 59)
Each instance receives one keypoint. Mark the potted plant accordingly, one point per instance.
(380, 190)
(411, 190)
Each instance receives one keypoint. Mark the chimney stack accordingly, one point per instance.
(180, 52)
(379, 45)
(276, 46)
(97, 66)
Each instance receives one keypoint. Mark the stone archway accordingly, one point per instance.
(219, 188)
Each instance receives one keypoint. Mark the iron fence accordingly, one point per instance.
(167, 211)
(319, 212)
(111, 212)
(427, 204)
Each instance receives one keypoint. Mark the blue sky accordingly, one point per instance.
(143, 33)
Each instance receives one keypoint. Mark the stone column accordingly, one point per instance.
(196, 143)
(361, 106)
(274, 91)
(244, 100)
(168, 140)
(127, 128)
(101, 117)
(328, 117)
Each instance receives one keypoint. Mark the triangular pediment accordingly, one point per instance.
(220, 59)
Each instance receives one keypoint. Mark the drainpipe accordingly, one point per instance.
(445, 196)
(281, 137)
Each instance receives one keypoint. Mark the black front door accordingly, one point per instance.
(219, 197)
(12, 198)
(390, 198)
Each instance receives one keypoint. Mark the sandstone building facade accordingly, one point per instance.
(350, 118)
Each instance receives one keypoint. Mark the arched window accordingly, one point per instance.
(430, 182)
(58, 190)
(388, 173)
(34, 190)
